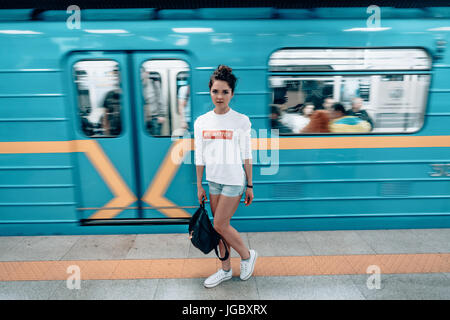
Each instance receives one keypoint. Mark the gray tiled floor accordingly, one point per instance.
(342, 287)
(407, 240)
(166, 246)
(27, 290)
(187, 289)
(155, 246)
(337, 242)
(428, 286)
(308, 287)
(136, 289)
(101, 247)
(36, 248)
(280, 243)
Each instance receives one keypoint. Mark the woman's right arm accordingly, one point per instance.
(201, 193)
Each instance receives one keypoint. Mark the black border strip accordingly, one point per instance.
(193, 4)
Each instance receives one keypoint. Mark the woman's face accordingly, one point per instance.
(221, 93)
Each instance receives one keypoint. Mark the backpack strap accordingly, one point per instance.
(227, 253)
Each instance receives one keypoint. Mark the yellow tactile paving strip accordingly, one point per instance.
(203, 267)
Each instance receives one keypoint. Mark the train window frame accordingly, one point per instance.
(77, 91)
(422, 73)
(170, 96)
(353, 53)
(189, 99)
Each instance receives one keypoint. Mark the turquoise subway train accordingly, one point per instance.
(97, 110)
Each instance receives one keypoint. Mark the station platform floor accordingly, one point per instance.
(330, 265)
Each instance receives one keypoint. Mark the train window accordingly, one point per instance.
(166, 95)
(99, 97)
(313, 93)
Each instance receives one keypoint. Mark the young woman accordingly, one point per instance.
(222, 145)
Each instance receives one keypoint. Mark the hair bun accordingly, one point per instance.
(223, 70)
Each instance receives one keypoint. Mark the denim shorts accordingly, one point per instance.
(225, 189)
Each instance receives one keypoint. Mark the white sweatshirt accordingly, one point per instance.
(222, 142)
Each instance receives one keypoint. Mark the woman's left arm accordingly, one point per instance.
(245, 144)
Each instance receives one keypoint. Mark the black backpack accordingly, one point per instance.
(203, 235)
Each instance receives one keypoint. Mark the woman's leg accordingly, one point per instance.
(224, 210)
(213, 201)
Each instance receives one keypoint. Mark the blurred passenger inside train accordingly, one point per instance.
(111, 117)
(327, 104)
(275, 115)
(184, 106)
(306, 111)
(154, 109)
(356, 111)
(319, 122)
(340, 122)
(298, 117)
(289, 116)
(280, 95)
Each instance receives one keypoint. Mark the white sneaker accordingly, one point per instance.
(218, 278)
(248, 266)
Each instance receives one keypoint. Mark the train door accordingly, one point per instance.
(163, 114)
(104, 136)
(131, 109)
